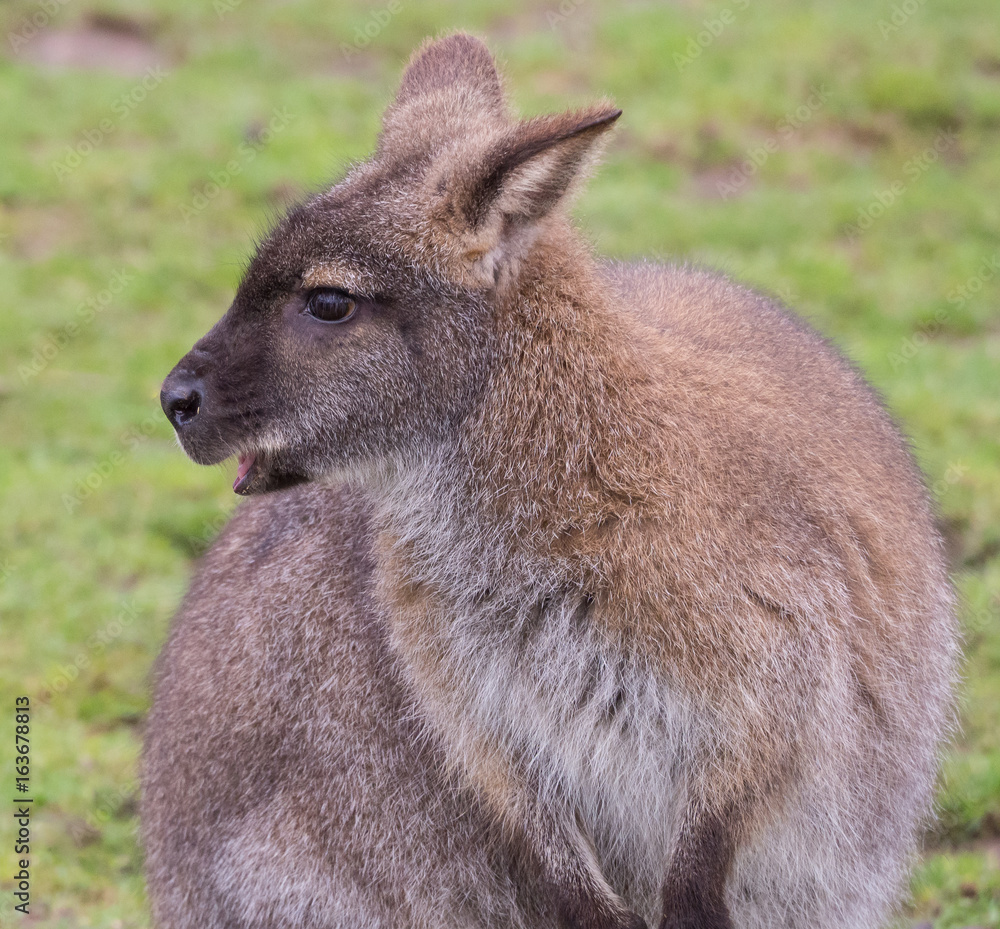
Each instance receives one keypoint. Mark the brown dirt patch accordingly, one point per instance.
(99, 43)
(38, 232)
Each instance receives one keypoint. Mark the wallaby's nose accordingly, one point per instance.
(181, 398)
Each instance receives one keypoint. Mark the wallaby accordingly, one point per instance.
(572, 593)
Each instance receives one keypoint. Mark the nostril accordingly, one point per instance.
(181, 405)
(186, 408)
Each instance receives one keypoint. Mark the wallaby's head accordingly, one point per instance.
(366, 323)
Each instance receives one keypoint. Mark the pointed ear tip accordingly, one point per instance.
(600, 118)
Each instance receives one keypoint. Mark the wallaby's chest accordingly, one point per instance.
(534, 672)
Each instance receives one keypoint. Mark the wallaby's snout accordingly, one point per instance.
(215, 400)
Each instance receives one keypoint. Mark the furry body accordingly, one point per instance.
(635, 608)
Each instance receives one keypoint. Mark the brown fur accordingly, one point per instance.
(618, 595)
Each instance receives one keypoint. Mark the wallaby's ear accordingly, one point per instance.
(451, 88)
(530, 167)
(457, 64)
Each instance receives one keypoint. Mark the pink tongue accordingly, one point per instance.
(246, 463)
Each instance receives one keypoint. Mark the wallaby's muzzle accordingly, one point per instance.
(215, 419)
(183, 398)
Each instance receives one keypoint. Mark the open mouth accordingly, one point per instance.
(262, 472)
(245, 474)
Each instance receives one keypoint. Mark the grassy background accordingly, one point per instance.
(842, 155)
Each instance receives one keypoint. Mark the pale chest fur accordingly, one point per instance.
(526, 682)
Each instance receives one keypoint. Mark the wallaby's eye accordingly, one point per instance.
(330, 305)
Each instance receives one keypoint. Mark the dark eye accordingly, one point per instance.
(330, 305)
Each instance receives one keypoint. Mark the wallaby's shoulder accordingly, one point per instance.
(300, 517)
(740, 377)
(746, 347)
(306, 544)
(702, 306)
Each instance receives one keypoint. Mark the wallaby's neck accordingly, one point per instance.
(564, 441)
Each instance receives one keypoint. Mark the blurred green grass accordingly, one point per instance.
(843, 156)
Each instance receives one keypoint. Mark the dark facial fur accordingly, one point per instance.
(309, 396)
